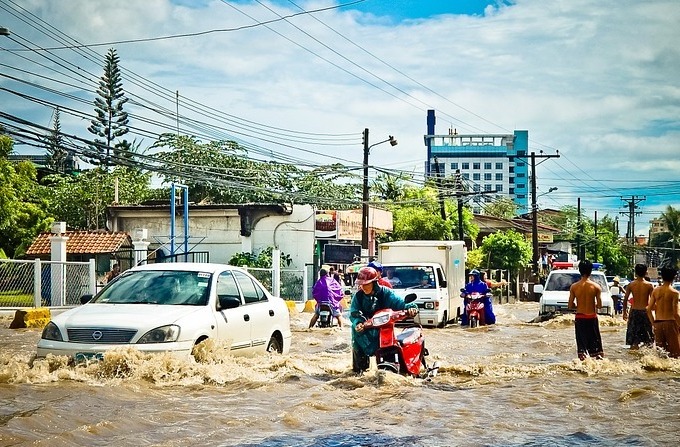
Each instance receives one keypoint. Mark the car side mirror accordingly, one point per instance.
(229, 301)
(86, 298)
(411, 297)
(442, 283)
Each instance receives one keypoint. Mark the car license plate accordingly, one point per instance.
(87, 357)
(325, 313)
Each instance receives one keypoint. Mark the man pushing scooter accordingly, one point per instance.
(370, 298)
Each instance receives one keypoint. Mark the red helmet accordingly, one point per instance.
(367, 275)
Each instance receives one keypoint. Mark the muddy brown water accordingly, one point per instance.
(513, 384)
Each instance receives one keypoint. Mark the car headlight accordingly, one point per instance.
(550, 308)
(163, 334)
(429, 305)
(52, 332)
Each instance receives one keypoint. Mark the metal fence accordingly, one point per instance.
(45, 283)
(292, 282)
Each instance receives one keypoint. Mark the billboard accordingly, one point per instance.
(341, 253)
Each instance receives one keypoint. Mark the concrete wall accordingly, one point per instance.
(218, 231)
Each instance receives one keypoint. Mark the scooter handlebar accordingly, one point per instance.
(393, 316)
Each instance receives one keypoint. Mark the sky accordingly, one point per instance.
(596, 82)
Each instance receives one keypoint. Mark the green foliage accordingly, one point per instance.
(54, 142)
(474, 259)
(22, 205)
(418, 216)
(111, 121)
(503, 207)
(671, 218)
(506, 250)
(81, 201)
(221, 172)
(260, 260)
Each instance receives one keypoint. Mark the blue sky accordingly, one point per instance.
(595, 80)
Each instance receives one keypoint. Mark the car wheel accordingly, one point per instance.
(274, 345)
(445, 320)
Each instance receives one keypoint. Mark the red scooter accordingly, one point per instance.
(402, 353)
(475, 308)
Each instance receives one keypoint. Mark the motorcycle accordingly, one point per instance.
(403, 353)
(325, 315)
(475, 308)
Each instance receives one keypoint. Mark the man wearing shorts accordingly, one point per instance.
(639, 328)
(585, 296)
(663, 312)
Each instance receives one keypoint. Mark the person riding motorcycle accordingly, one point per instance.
(327, 290)
(478, 286)
(370, 298)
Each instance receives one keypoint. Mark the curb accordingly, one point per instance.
(31, 318)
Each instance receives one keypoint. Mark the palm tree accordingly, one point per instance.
(671, 218)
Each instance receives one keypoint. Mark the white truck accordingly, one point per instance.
(433, 270)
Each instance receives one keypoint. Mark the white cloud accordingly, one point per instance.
(596, 80)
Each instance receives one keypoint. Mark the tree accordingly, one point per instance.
(111, 121)
(22, 203)
(503, 207)
(671, 218)
(506, 250)
(81, 201)
(54, 142)
(389, 187)
(222, 172)
(418, 216)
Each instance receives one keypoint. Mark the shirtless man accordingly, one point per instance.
(587, 295)
(664, 305)
(639, 328)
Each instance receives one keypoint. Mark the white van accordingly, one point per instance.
(555, 294)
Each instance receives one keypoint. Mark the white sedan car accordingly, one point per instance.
(171, 307)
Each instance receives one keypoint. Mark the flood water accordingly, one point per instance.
(514, 384)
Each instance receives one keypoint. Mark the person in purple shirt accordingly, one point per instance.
(479, 286)
(327, 290)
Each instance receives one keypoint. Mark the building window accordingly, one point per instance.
(466, 176)
(521, 153)
(466, 165)
(487, 187)
(520, 174)
(520, 163)
(487, 165)
(499, 177)
(454, 165)
(475, 187)
(487, 176)
(476, 210)
(475, 165)
(499, 165)
(511, 169)
(512, 190)
(521, 196)
(520, 186)
(475, 176)
(499, 188)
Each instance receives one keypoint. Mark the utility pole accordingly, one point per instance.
(364, 199)
(534, 212)
(632, 206)
(442, 209)
(596, 247)
(578, 229)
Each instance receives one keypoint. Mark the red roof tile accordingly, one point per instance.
(82, 242)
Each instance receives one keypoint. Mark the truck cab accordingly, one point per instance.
(433, 270)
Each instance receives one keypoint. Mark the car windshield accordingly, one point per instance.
(157, 287)
(562, 281)
(403, 277)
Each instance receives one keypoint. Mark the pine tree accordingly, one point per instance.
(112, 120)
(56, 153)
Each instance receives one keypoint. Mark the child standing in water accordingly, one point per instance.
(639, 328)
(585, 296)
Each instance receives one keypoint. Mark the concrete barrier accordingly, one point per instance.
(292, 308)
(31, 318)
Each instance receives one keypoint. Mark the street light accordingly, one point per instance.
(4, 31)
(364, 208)
(554, 188)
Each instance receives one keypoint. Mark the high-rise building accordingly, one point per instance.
(494, 163)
